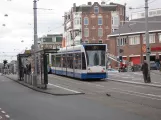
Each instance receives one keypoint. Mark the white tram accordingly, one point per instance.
(86, 61)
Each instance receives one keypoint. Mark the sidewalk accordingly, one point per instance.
(152, 84)
(51, 89)
(156, 72)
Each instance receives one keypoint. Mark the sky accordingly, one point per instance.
(17, 34)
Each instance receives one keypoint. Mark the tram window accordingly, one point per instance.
(70, 60)
(58, 61)
(83, 62)
(78, 61)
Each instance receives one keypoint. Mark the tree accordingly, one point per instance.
(5, 62)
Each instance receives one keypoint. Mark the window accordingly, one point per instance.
(159, 12)
(114, 30)
(100, 41)
(151, 39)
(58, 39)
(150, 13)
(86, 41)
(86, 32)
(86, 21)
(142, 14)
(100, 21)
(95, 55)
(121, 42)
(160, 38)
(77, 61)
(96, 9)
(100, 32)
(115, 20)
(134, 40)
(121, 11)
(77, 21)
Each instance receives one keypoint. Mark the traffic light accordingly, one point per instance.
(120, 58)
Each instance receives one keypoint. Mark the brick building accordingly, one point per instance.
(132, 40)
(92, 23)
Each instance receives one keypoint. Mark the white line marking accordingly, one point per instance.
(7, 116)
(0, 108)
(3, 112)
(0, 117)
(64, 88)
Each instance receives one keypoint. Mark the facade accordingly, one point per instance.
(92, 23)
(132, 40)
(51, 41)
(152, 13)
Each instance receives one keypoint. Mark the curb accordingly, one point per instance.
(156, 73)
(42, 91)
(136, 83)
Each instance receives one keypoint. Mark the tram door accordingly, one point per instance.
(77, 65)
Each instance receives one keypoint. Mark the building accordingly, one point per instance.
(91, 23)
(132, 40)
(152, 13)
(51, 41)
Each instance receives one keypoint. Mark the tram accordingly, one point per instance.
(86, 61)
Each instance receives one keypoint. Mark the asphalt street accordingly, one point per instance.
(141, 100)
(22, 103)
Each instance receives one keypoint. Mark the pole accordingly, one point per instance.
(35, 39)
(147, 39)
(119, 63)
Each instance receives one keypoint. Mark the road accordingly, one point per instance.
(22, 103)
(140, 100)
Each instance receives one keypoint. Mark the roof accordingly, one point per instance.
(86, 8)
(138, 26)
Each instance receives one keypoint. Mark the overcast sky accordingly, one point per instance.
(19, 23)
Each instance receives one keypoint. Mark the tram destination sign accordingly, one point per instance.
(95, 47)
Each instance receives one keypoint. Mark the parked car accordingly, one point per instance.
(153, 66)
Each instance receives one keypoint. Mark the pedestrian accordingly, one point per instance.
(157, 62)
(145, 71)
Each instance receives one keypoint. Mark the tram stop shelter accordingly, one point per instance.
(26, 67)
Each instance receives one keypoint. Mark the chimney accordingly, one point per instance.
(89, 3)
(103, 3)
(74, 7)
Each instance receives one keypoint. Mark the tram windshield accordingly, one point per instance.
(95, 55)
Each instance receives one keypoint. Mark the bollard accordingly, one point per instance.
(34, 80)
(30, 80)
(25, 78)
